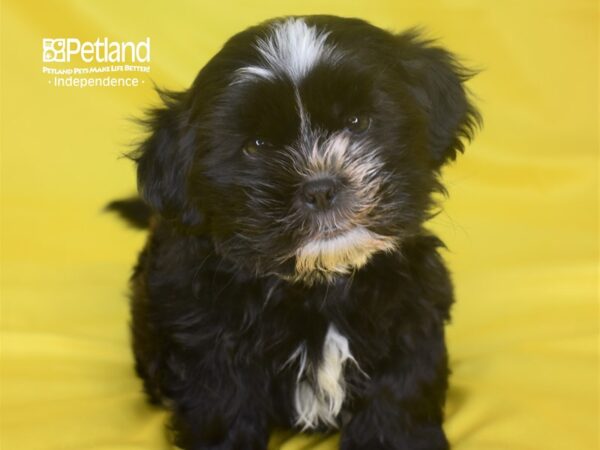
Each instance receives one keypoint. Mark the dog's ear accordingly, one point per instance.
(165, 158)
(437, 82)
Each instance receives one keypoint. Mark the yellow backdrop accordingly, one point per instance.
(521, 223)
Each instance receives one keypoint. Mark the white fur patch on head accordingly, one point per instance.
(319, 398)
(292, 48)
(339, 254)
(250, 72)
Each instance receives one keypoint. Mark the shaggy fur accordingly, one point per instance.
(288, 279)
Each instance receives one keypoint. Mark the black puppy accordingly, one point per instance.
(288, 279)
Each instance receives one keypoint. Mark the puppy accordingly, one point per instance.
(288, 279)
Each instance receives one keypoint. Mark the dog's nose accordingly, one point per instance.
(320, 193)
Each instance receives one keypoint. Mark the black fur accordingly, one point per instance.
(133, 210)
(215, 317)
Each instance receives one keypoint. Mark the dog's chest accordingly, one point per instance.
(320, 385)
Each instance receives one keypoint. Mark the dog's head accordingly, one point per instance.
(307, 144)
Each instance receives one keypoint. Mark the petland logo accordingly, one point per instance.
(101, 63)
(100, 51)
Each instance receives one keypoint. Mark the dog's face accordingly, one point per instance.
(308, 144)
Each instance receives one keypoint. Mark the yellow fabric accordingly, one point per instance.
(521, 222)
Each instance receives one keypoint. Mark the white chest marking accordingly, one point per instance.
(320, 391)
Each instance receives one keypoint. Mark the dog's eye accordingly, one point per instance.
(253, 146)
(358, 123)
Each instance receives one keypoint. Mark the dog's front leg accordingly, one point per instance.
(402, 406)
(220, 413)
